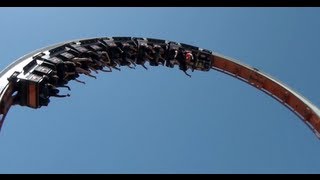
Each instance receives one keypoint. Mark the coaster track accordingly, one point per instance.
(34, 78)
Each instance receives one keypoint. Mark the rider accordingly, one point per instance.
(143, 54)
(181, 58)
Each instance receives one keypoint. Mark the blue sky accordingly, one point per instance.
(161, 121)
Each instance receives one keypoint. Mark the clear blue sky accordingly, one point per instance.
(161, 121)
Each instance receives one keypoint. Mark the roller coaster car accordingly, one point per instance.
(38, 56)
(203, 60)
(143, 48)
(14, 77)
(42, 70)
(122, 39)
(189, 47)
(93, 44)
(160, 46)
(89, 41)
(126, 45)
(173, 46)
(29, 88)
(30, 65)
(56, 64)
(54, 60)
(58, 50)
(78, 48)
(141, 42)
(66, 56)
(156, 41)
(137, 39)
(108, 43)
(112, 49)
(171, 52)
(51, 63)
(95, 47)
